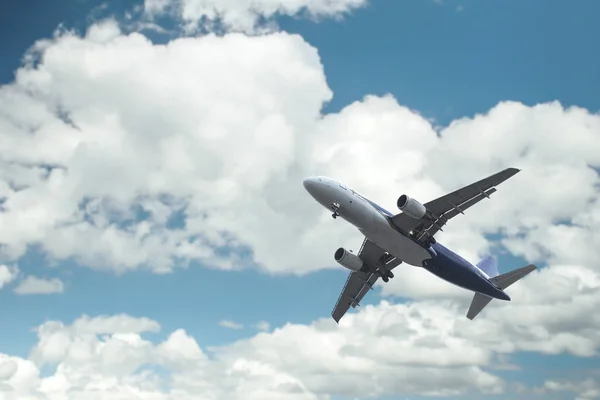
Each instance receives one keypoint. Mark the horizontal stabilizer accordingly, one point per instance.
(505, 280)
(502, 281)
(477, 304)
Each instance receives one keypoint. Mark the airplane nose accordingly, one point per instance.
(310, 184)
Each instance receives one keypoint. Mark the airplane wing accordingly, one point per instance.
(359, 283)
(442, 209)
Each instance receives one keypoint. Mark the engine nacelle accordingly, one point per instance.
(348, 260)
(411, 207)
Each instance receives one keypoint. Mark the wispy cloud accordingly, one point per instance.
(35, 285)
(225, 323)
(262, 326)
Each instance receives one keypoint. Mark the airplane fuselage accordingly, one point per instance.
(373, 222)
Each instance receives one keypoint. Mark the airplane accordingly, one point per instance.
(409, 237)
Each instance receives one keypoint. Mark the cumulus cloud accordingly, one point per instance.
(7, 275)
(155, 156)
(293, 362)
(585, 390)
(192, 169)
(225, 323)
(382, 350)
(203, 144)
(55, 338)
(400, 347)
(248, 16)
(34, 285)
(119, 365)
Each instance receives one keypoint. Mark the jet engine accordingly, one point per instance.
(348, 260)
(411, 207)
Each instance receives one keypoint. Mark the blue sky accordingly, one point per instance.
(447, 59)
(448, 63)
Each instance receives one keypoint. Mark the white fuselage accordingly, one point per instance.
(369, 218)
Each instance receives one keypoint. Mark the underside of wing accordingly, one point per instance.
(442, 209)
(359, 283)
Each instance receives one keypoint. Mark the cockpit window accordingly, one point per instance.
(343, 186)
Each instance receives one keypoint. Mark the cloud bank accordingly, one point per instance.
(192, 152)
(248, 16)
(154, 156)
(383, 350)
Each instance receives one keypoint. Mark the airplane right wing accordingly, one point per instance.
(359, 283)
(442, 209)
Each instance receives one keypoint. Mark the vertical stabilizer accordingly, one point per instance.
(489, 265)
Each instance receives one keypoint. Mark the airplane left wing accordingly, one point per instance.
(442, 209)
(359, 283)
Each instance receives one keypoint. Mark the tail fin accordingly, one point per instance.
(502, 281)
(489, 265)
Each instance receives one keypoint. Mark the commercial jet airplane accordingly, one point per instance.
(409, 237)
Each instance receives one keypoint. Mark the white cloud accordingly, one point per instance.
(220, 131)
(55, 339)
(585, 390)
(293, 362)
(262, 326)
(35, 285)
(183, 166)
(7, 275)
(120, 323)
(225, 323)
(245, 15)
(400, 348)
(89, 365)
